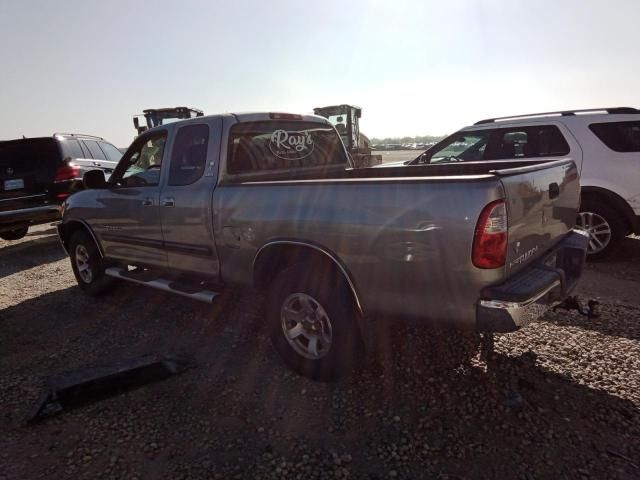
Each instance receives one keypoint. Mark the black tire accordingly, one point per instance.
(345, 350)
(95, 282)
(15, 234)
(612, 218)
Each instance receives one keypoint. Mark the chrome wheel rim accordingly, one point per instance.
(82, 263)
(306, 326)
(598, 229)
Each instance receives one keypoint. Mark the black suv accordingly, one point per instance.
(37, 174)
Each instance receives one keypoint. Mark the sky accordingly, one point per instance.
(415, 67)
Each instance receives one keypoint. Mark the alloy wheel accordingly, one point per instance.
(306, 326)
(598, 229)
(82, 263)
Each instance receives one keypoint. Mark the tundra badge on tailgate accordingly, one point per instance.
(522, 257)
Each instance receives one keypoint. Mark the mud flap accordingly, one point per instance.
(80, 387)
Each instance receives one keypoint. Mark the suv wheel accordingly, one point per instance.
(88, 267)
(604, 226)
(313, 324)
(15, 234)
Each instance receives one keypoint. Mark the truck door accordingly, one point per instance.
(128, 222)
(185, 199)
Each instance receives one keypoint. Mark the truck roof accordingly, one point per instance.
(56, 136)
(611, 114)
(242, 117)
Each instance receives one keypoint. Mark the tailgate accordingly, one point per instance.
(542, 204)
(27, 170)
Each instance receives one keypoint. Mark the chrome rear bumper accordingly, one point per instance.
(527, 295)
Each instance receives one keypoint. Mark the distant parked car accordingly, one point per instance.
(604, 143)
(37, 174)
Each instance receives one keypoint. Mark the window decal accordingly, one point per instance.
(291, 145)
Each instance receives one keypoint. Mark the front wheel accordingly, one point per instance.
(313, 323)
(88, 267)
(15, 234)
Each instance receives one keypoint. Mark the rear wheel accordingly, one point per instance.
(313, 324)
(605, 228)
(15, 234)
(88, 267)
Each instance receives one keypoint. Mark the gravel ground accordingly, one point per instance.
(558, 399)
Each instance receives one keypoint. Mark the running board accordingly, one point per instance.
(163, 284)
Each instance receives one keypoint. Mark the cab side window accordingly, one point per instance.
(112, 153)
(618, 136)
(189, 155)
(526, 142)
(93, 147)
(71, 148)
(461, 147)
(141, 165)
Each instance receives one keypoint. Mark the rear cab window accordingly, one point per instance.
(500, 144)
(618, 136)
(258, 148)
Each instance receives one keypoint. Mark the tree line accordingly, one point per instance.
(418, 139)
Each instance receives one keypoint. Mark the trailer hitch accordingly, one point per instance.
(573, 303)
(87, 385)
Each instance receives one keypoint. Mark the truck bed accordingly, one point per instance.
(406, 171)
(398, 227)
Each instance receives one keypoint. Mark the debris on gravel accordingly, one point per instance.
(557, 399)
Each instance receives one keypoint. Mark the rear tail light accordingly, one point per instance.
(67, 172)
(490, 238)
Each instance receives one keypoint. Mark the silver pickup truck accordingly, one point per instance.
(271, 201)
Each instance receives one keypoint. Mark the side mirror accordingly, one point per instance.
(94, 179)
(136, 122)
(421, 159)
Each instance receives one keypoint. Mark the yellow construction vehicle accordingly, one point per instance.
(159, 116)
(346, 120)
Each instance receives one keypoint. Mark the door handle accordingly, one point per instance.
(147, 202)
(169, 202)
(554, 190)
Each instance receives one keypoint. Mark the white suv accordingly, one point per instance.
(604, 143)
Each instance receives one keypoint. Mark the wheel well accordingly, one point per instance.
(612, 200)
(273, 259)
(67, 231)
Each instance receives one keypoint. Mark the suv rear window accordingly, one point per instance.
(277, 145)
(618, 136)
(28, 152)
